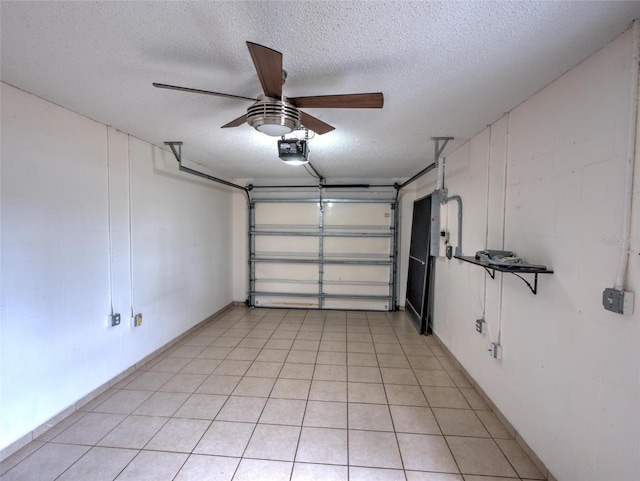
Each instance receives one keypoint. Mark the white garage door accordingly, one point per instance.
(329, 254)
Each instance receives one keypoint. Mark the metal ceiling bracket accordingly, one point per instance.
(177, 152)
(440, 164)
(440, 148)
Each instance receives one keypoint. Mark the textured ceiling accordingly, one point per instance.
(445, 68)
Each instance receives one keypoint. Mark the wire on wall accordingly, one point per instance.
(486, 220)
(110, 230)
(131, 288)
(625, 245)
(504, 223)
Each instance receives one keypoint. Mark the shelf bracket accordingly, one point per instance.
(491, 272)
(533, 288)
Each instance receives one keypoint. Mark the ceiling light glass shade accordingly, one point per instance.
(301, 161)
(274, 130)
(273, 117)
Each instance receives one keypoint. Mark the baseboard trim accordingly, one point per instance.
(80, 403)
(507, 424)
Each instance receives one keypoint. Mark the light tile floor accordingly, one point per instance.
(265, 394)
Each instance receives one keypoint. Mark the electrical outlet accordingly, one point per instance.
(495, 350)
(137, 320)
(479, 325)
(114, 319)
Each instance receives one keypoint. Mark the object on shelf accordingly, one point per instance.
(505, 259)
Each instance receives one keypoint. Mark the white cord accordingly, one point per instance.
(131, 291)
(504, 225)
(109, 225)
(625, 244)
(486, 221)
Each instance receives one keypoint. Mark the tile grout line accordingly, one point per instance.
(346, 347)
(393, 424)
(255, 324)
(40, 430)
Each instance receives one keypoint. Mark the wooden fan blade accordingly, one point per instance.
(317, 125)
(349, 101)
(268, 63)
(235, 123)
(197, 91)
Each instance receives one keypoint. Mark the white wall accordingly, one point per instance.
(546, 181)
(75, 196)
(240, 246)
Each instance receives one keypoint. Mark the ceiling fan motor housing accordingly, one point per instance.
(269, 111)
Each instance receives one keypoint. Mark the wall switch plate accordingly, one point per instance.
(620, 302)
(495, 350)
(114, 320)
(479, 325)
(137, 320)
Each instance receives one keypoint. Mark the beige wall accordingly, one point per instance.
(546, 181)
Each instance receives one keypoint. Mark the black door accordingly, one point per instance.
(419, 300)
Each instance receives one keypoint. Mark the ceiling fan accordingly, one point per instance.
(276, 115)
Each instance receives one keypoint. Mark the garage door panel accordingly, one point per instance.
(277, 270)
(290, 246)
(295, 287)
(287, 214)
(366, 215)
(355, 247)
(355, 304)
(344, 252)
(357, 289)
(289, 302)
(356, 273)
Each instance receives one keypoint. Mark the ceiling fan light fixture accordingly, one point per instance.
(274, 130)
(273, 117)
